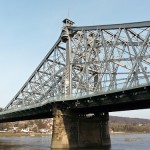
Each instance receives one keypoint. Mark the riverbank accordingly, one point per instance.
(7, 134)
(23, 134)
(128, 133)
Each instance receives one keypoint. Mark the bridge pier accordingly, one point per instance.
(71, 130)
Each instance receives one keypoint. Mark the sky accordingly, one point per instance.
(29, 28)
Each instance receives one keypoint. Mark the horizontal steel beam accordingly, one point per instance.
(116, 101)
(112, 26)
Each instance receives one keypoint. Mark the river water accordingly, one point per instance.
(119, 142)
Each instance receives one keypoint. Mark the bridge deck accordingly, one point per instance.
(133, 98)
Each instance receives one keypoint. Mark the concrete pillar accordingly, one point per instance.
(65, 127)
(74, 131)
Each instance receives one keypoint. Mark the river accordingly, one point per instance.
(119, 142)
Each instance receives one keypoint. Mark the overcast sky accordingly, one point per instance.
(29, 28)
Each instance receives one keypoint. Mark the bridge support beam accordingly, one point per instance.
(75, 131)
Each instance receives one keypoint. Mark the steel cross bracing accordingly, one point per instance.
(90, 59)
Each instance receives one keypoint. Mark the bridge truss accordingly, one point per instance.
(90, 59)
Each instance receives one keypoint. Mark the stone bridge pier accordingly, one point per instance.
(71, 130)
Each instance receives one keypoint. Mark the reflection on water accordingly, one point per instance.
(119, 142)
(84, 149)
(87, 149)
(25, 143)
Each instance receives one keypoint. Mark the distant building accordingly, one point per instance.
(140, 124)
(26, 130)
(44, 130)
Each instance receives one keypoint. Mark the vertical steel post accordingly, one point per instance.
(68, 71)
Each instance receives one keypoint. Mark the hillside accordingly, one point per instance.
(129, 120)
(129, 125)
(116, 124)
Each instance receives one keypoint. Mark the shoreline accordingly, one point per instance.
(128, 133)
(7, 134)
(23, 134)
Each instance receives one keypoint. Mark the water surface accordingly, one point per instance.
(119, 142)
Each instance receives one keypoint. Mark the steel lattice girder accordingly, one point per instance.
(88, 59)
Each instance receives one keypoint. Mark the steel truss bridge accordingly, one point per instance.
(98, 68)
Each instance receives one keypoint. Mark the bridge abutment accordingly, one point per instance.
(71, 130)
